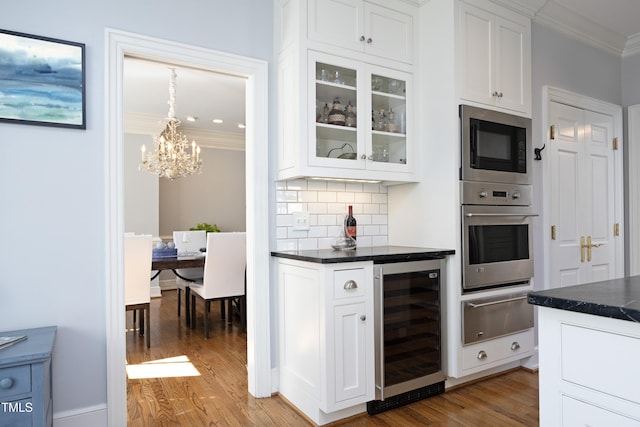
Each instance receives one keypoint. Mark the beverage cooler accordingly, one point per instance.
(409, 329)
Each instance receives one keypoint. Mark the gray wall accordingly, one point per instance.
(215, 197)
(141, 190)
(52, 219)
(563, 62)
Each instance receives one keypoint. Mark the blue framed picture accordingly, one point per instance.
(42, 81)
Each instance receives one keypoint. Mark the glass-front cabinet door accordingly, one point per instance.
(359, 115)
(387, 142)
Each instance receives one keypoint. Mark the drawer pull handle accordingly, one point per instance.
(350, 284)
(6, 383)
(472, 305)
(482, 355)
(515, 346)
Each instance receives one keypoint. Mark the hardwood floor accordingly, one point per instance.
(218, 394)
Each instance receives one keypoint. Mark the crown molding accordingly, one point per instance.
(568, 22)
(149, 124)
(633, 46)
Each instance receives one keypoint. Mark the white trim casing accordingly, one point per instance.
(633, 154)
(119, 44)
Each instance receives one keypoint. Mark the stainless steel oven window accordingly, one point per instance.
(497, 246)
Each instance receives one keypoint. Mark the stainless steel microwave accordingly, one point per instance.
(495, 146)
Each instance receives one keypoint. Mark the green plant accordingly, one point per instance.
(207, 227)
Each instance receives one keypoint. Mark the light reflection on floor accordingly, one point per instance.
(178, 366)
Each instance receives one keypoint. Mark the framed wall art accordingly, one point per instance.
(42, 81)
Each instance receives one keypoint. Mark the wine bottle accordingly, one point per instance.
(350, 223)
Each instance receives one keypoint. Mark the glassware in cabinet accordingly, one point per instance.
(335, 131)
(389, 108)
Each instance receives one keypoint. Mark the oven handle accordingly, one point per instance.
(469, 215)
(472, 305)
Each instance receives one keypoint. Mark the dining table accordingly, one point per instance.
(174, 263)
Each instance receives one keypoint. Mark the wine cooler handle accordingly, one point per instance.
(379, 319)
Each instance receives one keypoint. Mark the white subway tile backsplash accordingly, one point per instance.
(297, 184)
(308, 196)
(345, 197)
(353, 187)
(336, 186)
(363, 197)
(286, 196)
(316, 185)
(327, 196)
(327, 203)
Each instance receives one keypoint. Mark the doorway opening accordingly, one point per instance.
(121, 44)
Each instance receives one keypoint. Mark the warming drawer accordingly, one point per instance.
(488, 318)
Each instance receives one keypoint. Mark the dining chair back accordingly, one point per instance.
(188, 243)
(224, 274)
(137, 284)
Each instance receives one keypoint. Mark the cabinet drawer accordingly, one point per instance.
(348, 283)
(582, 358)
(14, 381)
(576, 412)
(509, 347)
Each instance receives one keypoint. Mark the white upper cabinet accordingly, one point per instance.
(494, 56)
(362, 26)
(368, 131)
(322, 64)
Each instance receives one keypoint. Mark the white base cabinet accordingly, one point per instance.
(588, 369)
(326, 337)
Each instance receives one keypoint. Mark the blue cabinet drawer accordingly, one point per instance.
(14, 381)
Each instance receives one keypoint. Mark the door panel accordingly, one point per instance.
(568, 150)
(582, 201)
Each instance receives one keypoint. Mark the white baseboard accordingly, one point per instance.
(94, 416)
(167, 284)
(532, 362)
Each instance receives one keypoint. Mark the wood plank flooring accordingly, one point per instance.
(218, 395)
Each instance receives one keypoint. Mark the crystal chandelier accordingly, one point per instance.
(171, 158)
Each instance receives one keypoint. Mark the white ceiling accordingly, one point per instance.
(612, 25)
(202, 94)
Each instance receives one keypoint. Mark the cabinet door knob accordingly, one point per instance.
(350, 284)
(495, 93)
(515, 346)
(363, 157)
(363, 317)
(6, 383)
(361, 38)
(369, 157)
(482, 355)
(369, 40)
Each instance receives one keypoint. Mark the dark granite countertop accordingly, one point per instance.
(377, 254)
(616, 298)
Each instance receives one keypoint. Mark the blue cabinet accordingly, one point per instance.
(25, 379)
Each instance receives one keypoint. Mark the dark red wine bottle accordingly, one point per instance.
(350, 223)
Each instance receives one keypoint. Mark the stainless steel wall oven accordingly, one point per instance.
(497, 235)
(409, 330)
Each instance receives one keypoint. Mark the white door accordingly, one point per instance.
(581, 173)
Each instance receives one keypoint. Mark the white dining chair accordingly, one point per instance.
(188, 243)
(137, 285)
(224, 276)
